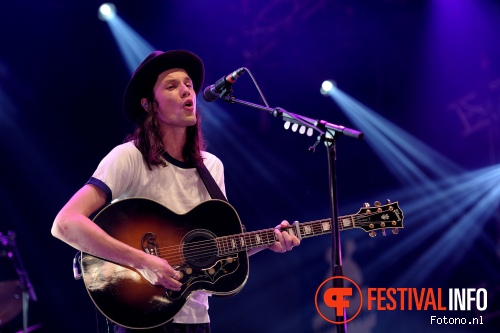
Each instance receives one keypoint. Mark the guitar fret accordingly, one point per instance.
(236, 243)
(217, 242)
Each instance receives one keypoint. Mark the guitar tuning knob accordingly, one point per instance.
(372, 233)
(395, 231)
(366, 205)
(377, 203)
(388, 201)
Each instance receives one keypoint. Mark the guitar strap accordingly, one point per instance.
(209, 181)
(212, 187)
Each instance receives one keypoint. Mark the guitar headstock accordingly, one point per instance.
(372, 218)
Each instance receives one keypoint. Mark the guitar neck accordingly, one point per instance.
(266, 237)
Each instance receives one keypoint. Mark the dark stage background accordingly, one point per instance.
(62, 77)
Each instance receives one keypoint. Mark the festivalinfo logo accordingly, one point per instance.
(337, 300)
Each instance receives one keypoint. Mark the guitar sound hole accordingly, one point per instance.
(199, 248)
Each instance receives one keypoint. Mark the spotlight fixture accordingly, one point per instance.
(107, 11)
(327, 86)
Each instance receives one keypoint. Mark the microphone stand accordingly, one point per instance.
(28, 292)
(328, 134)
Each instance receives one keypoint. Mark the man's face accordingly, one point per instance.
(175, 99)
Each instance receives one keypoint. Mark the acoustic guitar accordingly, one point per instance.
(207, 246)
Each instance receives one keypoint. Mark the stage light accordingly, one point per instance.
(327, 86)
(107, 11)
(133, 46)
(433, 184)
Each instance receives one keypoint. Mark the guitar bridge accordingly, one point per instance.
(149, 244)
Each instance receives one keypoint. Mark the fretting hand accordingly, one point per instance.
(285, 241)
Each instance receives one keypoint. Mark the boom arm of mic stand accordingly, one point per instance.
(319, 125)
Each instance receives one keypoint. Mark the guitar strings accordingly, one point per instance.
(215, 246)
(248, 236)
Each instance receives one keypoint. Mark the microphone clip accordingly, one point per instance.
(223, 86)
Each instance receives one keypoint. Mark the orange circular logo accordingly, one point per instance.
(334, 298)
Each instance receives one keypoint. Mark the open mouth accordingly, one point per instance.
(188, 103)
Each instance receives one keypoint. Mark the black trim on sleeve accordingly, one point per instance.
(101, 185)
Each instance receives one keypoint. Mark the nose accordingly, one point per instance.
(185, 91)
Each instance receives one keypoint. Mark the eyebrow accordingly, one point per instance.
(187, 78)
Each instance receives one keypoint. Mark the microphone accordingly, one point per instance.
(220, 88)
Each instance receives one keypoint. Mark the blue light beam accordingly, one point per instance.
(133, 47)
(440, 195)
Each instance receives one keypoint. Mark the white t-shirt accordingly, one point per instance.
(123, 173)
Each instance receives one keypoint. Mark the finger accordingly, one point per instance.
(177, 275)
(294, 239)
(287, 241)
(279, 236)
(279, 245)
(172, 284)
(284, 224)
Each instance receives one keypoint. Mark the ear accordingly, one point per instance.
(145, 104)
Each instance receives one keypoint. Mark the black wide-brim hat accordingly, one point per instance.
(146, 74)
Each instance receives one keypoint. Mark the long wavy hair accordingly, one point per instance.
(147, 138)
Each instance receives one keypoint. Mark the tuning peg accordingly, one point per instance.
(377, 203)
(366, 205)
(388, 201)
(372, 233)
(395, 231)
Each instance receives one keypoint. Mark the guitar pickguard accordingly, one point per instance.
(201, 262)
(190, 275)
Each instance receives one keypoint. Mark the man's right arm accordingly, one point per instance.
(73, 227)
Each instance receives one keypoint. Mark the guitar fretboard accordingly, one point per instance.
(249, 240)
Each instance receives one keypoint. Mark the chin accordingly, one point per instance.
(191, 122)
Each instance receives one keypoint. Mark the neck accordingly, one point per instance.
(174, 141)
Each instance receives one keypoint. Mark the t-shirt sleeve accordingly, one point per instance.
(117, 171)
